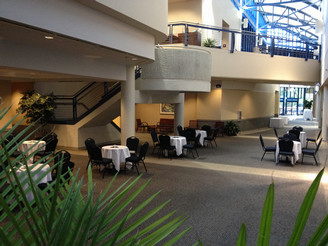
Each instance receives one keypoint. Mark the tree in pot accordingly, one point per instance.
(37, 108)
(231, 128)
(308, 104)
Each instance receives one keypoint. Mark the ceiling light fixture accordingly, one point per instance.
(49, 37)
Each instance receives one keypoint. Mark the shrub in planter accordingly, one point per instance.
(231, 128)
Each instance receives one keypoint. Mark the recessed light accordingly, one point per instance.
(49, 37)
(134, 59)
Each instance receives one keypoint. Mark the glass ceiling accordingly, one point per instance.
(295, 20)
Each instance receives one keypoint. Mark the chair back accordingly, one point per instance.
(51, 145)
(154, 136)
(295, 132)
(132, 143)
(143, 150)
(179, 128)
(207, 128)
(94, 151)
(196, 144)
(164, 141)
(318, 146)
(299, 128)
(192, 133)
(262, 142)
(138, 122)
(186, 134)
(319, 134)
(215, 133)
(65, 156)
(286, 145)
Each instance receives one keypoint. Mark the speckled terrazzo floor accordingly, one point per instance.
(226, 186)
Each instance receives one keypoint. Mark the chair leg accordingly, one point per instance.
(136, 165)
(215, 143)
(315, 159)
(144, 165)
(196, 152)
(263, 155)
(302, 157)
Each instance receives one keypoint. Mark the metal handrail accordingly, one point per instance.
(273, 48)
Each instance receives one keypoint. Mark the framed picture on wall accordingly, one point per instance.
(166, 108)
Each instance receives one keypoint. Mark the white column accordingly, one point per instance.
(179, 115)
(128, 105)
(318, 108)
(325, 113)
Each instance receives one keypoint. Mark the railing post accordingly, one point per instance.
(307, 51)
(272, 47)
(186, 35)
(232, 46)
(74, 109)
(171, 34)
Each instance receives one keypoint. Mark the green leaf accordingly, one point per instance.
(304, 211)
(242, 236)
(266, 219)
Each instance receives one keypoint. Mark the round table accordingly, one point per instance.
(178, 142)
(203, 134)
(118, 153)
(38, 171)
(31, 146)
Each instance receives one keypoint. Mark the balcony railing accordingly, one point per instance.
(246, 41)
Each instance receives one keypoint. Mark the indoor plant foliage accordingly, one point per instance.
(37, 107)
(308, 104)
(209, 42)
(61, 215)
(231, 128)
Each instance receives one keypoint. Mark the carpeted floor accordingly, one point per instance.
(226, 186)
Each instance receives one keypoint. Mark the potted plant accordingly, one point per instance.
(231, 128)
(209, 42)
(308, 104)
(38, 109)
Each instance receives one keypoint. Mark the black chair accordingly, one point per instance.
(267, 149)
(285, 148)
(132, 143)
(62, 158)
(155, 141)
(165, 145)
(314, 140)
(95, 157)
(298, 128)
(193, 147)
(135, 160)
(180, 129)
(296, 133)
(312, 152)
(290, 136)
(50, 149)
(212, 138)
(276, 133)
(191, 134)
(208, 129)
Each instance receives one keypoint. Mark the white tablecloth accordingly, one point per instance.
(297, 149)
(30, 146)
(178, 142)
(37, 170)
(277, 122)
(307, 114)
(203, 134)
(118, 153)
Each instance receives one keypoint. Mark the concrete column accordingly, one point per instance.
(325, 113)
(318, 108)
(128, 105)
(179, 115)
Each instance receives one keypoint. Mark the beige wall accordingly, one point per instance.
(252, 104)
(209, 105)
(190, 11)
